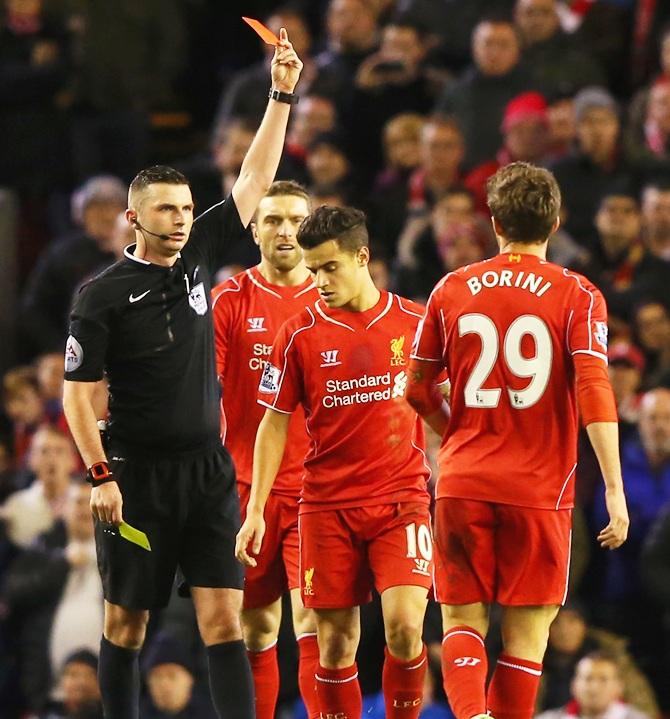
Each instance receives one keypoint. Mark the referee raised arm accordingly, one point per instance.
(146, 323)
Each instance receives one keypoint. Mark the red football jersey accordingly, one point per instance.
(348, 371)
(505, 330)
(248, 311)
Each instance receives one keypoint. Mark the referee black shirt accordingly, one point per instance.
(149, 329)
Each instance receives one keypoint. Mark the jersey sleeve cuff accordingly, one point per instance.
(276, 409)
(599, 355)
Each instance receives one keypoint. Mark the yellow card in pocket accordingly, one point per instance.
(134, 535)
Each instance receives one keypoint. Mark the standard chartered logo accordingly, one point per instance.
(399, 385)
(377, 388)
(261, 350)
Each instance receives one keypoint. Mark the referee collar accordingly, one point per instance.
(129, 254)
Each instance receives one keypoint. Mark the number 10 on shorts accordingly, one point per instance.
(419, 547)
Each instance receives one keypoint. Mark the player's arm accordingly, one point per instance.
(597, 408)
(262, 160)
(424, 395)
(79, 401)
(268, 452)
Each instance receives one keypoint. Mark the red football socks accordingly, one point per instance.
(339, 693)
(265, 670)
(513, 689)
(402, 683)
(464, 668)
(308, 661)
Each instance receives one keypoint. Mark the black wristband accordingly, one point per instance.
(99, 473)
(290, 98)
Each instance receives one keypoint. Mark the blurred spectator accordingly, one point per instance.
(407, 201)
(525, 137)
(50, 370)
(246, 95)
(626, 368)
(446, 244)
(313, 115)
(595, 164)
(168, 667)
(31, 511)
(652, 328)
(618, 257)
(388, 82)
(596, 691)
(645, 464)
(328, 166)
(655, 573)
(477, 99)
(78, 688)
(570, 639)
(33, 76)
(562, 128)
(24, 407)
(54, 595)
(452, 22)
(401, 137)
(128, 59)
(65, 264)
(351, 29)
(556, 63)
(648, 143)
(656, 217)
(379, 270)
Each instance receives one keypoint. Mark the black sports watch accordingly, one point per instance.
(99, 473)
(290, 98)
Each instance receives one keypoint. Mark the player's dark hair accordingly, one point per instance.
(525, 201)
(345, 225)
(157, 174)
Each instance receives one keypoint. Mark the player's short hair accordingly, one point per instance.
(345, 225)
(154, 175)
(525, 201)
(282, 188)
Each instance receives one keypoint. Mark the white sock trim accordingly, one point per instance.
(416, 666)
(335, 681)
(521, 668)
(264, 649)
(463, 631)
(305, 635)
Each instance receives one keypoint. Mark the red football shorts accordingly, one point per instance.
(345, 552)
(488, 552)
(278, 562)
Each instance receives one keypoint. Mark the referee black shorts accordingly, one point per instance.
(189, 509)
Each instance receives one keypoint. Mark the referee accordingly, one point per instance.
(146, 323)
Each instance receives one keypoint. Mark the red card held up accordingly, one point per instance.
(265, 33)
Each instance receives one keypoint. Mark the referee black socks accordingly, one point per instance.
(119, 677)
(230, 680)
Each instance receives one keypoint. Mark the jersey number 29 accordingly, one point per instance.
(538, 368)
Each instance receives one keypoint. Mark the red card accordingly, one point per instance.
(265, 33)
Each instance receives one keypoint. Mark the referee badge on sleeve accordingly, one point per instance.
(269, 379)
(74, 354)
(197, 299)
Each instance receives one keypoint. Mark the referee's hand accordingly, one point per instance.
(106, 503)
(251, 532)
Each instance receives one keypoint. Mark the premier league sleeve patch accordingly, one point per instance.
(600, 333)
(269, 379)
(74, 354)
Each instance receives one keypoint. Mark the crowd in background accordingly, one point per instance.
(406, 108)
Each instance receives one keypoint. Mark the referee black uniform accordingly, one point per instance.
(148, 329)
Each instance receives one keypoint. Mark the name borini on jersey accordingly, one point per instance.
(509, 278)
